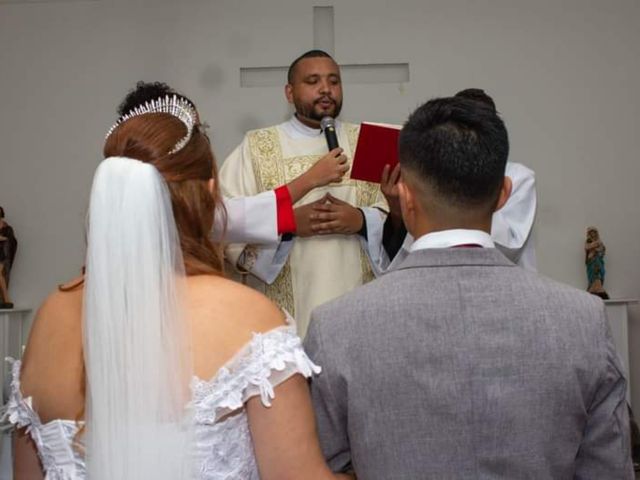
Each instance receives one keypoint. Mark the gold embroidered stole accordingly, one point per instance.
(271, 170)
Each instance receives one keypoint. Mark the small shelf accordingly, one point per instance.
(14, 310)
(615, 301)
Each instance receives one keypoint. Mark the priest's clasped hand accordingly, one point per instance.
(303, 218)
(334, 216)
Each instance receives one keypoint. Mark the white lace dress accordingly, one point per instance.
(223, 448)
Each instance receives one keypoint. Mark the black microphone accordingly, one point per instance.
(328, 126)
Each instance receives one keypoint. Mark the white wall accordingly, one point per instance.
(563, 73)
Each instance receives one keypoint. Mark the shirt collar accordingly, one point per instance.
(453, 238)
(296, 129)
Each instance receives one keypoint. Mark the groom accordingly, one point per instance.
(458, 364)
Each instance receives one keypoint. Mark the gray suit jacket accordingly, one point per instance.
(459, 365)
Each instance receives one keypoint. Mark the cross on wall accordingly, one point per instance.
(323, 39)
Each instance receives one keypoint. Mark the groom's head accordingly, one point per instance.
(453, 153)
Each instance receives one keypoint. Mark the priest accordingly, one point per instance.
(315, 265)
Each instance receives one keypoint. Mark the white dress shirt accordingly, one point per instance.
(453, 238)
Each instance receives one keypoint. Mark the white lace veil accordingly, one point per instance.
(135, 339)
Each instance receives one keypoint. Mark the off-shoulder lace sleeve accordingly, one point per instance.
(18, 411)
(278, 356)
(267, 360)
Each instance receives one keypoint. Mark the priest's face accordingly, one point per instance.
(316, 90)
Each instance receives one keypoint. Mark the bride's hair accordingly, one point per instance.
(149, 138)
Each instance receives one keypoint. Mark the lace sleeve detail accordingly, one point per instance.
(278, 357)
(266, 361)
(18, 411)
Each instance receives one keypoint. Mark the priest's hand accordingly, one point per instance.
(389, 188)
(329, 169)
(334, 216)
(303, 216)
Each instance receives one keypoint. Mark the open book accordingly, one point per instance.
(377, 147)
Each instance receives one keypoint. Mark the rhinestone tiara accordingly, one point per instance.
(173, 105)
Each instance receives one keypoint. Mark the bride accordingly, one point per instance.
(153, 365)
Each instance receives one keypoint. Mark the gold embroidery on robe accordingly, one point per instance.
(266, 156)
(272, 170)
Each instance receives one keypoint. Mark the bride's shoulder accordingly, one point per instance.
(225, 316)
(54, 346)
(61, 307)
(240, 304)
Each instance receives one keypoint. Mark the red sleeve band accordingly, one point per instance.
(284, 207)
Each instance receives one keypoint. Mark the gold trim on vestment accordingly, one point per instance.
(271, 170)
(266, 156)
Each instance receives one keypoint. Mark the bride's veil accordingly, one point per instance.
(135, 334)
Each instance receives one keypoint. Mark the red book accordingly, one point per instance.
(377, 147)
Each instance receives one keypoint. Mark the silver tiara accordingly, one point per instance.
(173, 105)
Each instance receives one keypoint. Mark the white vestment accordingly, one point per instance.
(511, 226)
(249, 219)
(302, 273)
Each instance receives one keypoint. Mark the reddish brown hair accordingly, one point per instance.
(149, 138)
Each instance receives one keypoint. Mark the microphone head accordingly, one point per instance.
(327, 122)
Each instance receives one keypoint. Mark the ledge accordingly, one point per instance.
(616, 301)
(14, 310)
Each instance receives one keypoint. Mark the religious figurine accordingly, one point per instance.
(8, 247)
(594, 259)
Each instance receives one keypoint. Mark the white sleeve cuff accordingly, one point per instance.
(250, 219)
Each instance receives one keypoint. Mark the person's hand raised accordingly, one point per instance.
(389, 188)
(329, 169)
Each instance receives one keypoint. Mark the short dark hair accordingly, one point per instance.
(478, 95)
(309, 54)
(457, 146)
(145, 92)
(1, 212)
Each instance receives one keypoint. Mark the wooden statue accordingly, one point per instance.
(594, 259)
(8, 248)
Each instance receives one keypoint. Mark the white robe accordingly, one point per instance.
(302, 273)
(249, 219)
(511, 226)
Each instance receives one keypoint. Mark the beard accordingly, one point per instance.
(313, 111)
